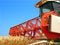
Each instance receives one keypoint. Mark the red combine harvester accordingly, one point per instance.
(39, 26)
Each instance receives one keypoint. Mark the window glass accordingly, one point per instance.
(56, 7)
(46, 10)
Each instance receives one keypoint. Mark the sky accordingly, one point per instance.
(14, 12)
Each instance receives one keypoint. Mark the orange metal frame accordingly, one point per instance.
(30, 28)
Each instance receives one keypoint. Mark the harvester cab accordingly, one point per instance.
(48, 8)
(48, 5)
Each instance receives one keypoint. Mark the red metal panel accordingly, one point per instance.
(44, 25)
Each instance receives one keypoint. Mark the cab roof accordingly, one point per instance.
(45, 1)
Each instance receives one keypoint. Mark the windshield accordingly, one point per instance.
(50, 6)
(45, 10)
(56, 7)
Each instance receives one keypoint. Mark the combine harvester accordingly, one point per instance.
(45, 26)
(40, 26)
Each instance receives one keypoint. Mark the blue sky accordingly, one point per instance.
(14, 12)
